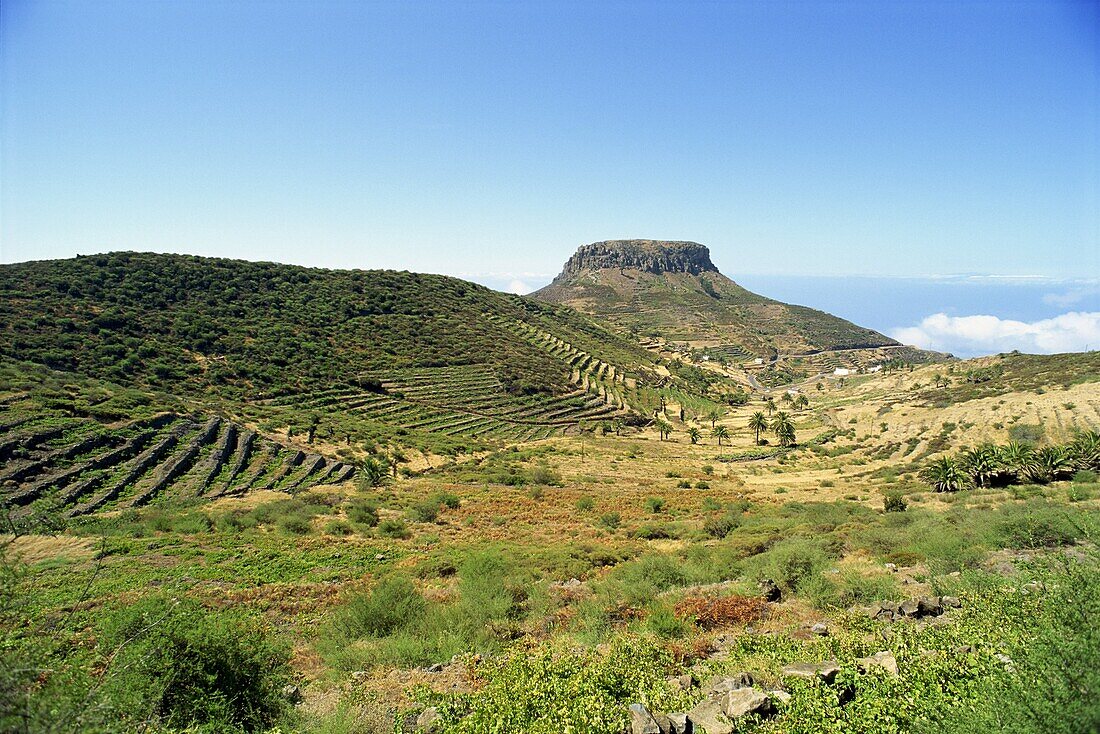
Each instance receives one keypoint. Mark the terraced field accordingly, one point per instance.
(75, 466)
(470, 401)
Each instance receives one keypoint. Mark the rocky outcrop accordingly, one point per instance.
(651, 256)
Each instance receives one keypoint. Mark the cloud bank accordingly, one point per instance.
(970, 336)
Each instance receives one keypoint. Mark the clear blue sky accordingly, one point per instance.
(471, 138)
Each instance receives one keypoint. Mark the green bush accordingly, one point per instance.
(611, 520)
(425, 510)
(392, 604)
(363, 512)
(393, 528)
(655, 504)
(197, 668)
(586, 504)
(895, 502)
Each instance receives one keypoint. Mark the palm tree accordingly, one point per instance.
(1086, 450)
(664, 428)
(981, 464)
(720, 432)
(787, 398)
(1049, 464)
(944, 474)
(801, 402)
(758, 422)
(769, 404)
(713, 415)
(783, 429)
(694, 433)
(1014, 459)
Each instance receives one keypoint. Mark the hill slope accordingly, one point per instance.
(355, 358)
(673, 290)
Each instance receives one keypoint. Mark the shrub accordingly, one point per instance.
(655, 504)
(684, 484)
(586, 504)
(1038, 526)
(611, 520)
(663, 622)
(363, 513)
(338, 527)
(196, 668)
(393, 528)
(425, 510)
(720, 527)
(702, 485)
(895, 502)
(392, 604)
(708, 469)
(545, 475)
(297, 524)
(447, 499)
(792, 563)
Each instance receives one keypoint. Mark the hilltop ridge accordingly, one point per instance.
(651, 256)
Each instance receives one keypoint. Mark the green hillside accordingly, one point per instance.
(356, 359)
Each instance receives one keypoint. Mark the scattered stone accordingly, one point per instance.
(770, 590)
(683, 682)
(709, 715)
(434, 668)
(825, 671)
(642, 720)
(380, 557)
(746, 701)
(951, 602)
(1031, 587)
(1009, 665)
(821, 629)
(360, 675)
(909, 608)
(292, 693)
(891, 566)
(929, 606)
(780, 697)
(724, 684)
(962, 649)
(429, 720)
(884, 660)
(679, 723)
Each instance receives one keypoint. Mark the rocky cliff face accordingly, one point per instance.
(651, 256)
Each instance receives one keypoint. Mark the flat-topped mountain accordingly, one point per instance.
(650, 256)
(673, 290)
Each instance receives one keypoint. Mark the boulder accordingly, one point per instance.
(950, 602)
(683, 682)
(821, 629)
(781, 698)
(825, 671)
(642, 720)
(909, 608)
(429, 720)
(293, 694)
(722, 684)
(770, 590)
(746, 702)
(710, 715)
(679, 723)
(929, 606)
(884, 660)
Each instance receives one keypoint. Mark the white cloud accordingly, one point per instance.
(968, 336)
(518, 287)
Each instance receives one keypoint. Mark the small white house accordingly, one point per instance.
(841, 372)
(876, 368)
(758, 360)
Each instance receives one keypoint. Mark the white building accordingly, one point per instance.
(841, 372)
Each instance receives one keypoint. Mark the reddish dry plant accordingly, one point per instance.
(710, 612)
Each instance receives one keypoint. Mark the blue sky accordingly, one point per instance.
(489, 140)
